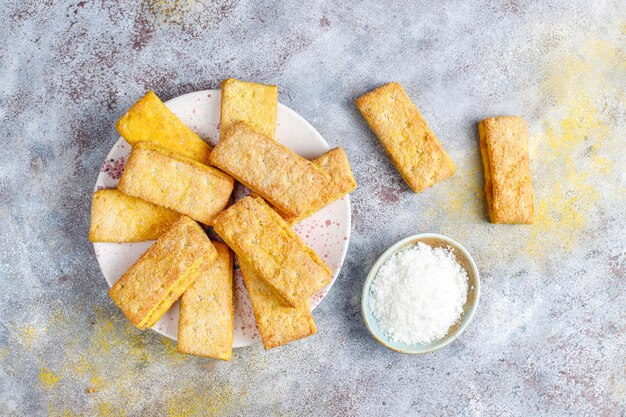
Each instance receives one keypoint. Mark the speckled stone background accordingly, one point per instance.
(549, 334)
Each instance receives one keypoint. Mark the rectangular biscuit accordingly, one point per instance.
(261, 238)
(150, 287)
(508, 185)
(335, 163)
(117, 217)
(278, 323)
(173, 181)
(149, 120)
(405, 135)
(251, 103)
(285, 179)
(207, 314)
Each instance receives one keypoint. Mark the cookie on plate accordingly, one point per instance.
(170, 180)
(161, 275)
(278, 323)
(263, 240)
(207, 314)
(251, 103)
(149, 120)
(117, 217)
(288, 181)
(335, 163)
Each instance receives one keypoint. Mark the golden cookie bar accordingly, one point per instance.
(278, 323)
(335, 163)
(205, 325)
(117, 217)
(285, 179)
(173, 181)
(149, 120)
(251, 103)
(405, 135)
(150, 287)
(261, 238)
(508, 186)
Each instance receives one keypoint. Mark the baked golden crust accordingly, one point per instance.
(149, 120)
(251, 103)
(484, 153)
(150, 287)
(178, 183)
(508, 184)
(278, 323)
(262, 239)
(335, 163)
(117, 217)
(207, 314)
(270, 169)
(405, 135)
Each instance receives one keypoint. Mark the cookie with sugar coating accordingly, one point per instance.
(335, 163)
(163, 273)
(410, 143)
(207, 314)
(149, 120)
(170, 180)
(282, 177)
(508, 184)
(263, 240)
(251, 103)
(117, 217)
(278, 323)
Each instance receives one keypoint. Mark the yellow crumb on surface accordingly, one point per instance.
(4, 353)
(193, 403)
(48, 378)
(28, 335)
(574, 148)
(108, 409)
(55, 412)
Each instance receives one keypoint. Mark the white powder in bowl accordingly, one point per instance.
(418, 294)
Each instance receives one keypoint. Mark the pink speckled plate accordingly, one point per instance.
(327, 232)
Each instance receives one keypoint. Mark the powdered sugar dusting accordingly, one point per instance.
(418, 294)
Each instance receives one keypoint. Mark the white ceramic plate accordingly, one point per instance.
(327, 231)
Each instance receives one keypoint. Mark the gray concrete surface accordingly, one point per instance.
(549, 334)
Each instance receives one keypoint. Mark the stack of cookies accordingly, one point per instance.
(174, 182)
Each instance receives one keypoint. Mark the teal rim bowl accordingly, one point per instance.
(462, 257)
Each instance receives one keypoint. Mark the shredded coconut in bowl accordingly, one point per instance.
(418, 293)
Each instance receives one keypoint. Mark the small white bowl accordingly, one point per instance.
(462, 257)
